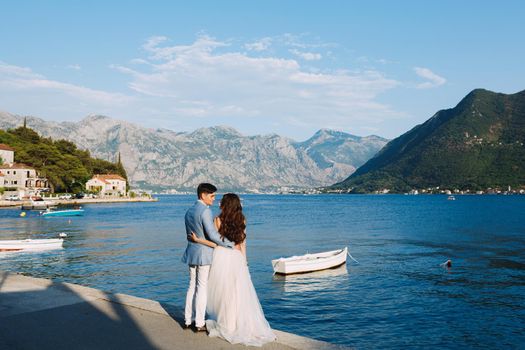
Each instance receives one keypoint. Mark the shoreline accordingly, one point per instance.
(10, 204)
(36, 310)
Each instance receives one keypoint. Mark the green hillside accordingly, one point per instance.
(66, 167)
(476, 145)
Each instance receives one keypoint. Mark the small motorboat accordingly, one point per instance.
(67, 212)
(310, 262)
(37, 203)
(30, 244)
(451, 198)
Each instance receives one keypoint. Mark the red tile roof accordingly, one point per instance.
(16, 166)
(107, 177)
(99, 179)
(5, 147)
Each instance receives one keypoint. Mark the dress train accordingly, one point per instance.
(233, 306)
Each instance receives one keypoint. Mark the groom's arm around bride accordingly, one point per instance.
(210, 231)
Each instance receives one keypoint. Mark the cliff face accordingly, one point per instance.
(164, 158)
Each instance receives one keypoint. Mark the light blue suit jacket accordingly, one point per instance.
(199, 219)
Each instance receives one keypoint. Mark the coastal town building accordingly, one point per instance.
(7, 154)
(22, 178)
(108, 185)
(18, 178)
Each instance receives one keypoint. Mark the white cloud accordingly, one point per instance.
(434, 80)
(139, 61)
(10, 71)
(302, 41)
(232, 87)
(258, 87)
(74, 67)
(307, 56)
(27, 85)
(204, 45)
(260, 45)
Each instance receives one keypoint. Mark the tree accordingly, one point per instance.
(65, 166)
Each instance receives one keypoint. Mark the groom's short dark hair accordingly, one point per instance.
(205, 188)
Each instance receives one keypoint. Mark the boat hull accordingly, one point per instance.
(31, 244)
(34, 206)
(74, 212)
(37, 205)
(310, 262)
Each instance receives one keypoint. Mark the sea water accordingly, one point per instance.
(398, 295)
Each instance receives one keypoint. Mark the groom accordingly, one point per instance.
(199, 219)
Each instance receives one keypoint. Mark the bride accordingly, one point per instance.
(233, 306)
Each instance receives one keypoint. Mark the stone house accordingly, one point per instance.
(107, 185)
(7, 154)
(22, 177)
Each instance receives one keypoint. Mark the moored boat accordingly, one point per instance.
(37, 203)
(310, 262)
(30, 244)
(67, 212)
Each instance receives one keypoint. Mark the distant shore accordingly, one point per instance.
(8, 204)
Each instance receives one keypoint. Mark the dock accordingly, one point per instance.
(37, 313)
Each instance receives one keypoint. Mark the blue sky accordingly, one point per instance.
(285, 67)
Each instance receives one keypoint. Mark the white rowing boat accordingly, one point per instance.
(30, 244)
(310, 262)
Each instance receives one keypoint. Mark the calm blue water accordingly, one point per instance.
(397, 296)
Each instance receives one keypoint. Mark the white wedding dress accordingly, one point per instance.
(233, 306)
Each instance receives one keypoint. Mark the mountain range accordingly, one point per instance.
(165, 159)
(476, 145)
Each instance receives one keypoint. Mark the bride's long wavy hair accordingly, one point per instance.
(233, 222)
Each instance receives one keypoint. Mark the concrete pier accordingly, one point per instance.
(38, 313)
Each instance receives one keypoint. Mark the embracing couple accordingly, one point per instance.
(220, 283)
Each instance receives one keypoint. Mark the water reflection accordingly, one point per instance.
(313, 281)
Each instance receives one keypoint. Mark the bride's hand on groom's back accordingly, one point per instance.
(192, 237)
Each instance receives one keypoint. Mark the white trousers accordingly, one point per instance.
(197, 295)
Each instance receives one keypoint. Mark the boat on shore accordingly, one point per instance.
(65, 212)
(310, 262)
(30, 244)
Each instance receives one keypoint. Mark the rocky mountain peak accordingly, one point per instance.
(95, 118)
(217, 131)
(163, 158)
